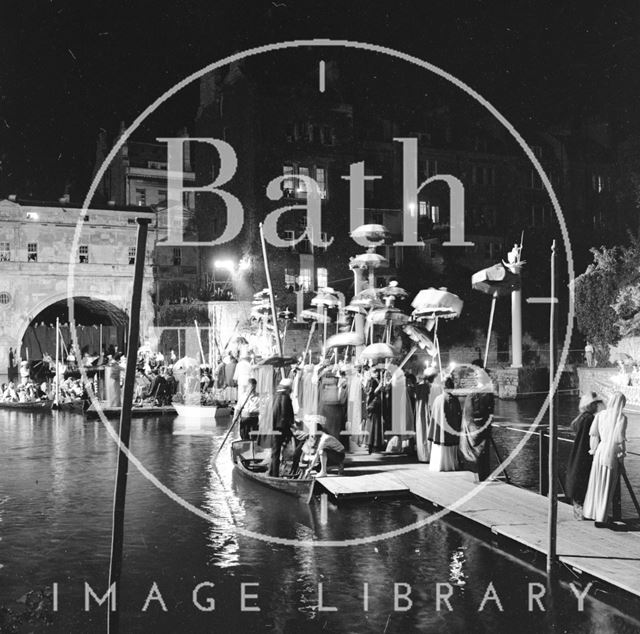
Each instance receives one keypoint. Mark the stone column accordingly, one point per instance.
(516, 329)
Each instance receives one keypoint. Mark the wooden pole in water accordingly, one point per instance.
(553, 432)
(272, 300)
(57, 396)
(204, 360)
(117, 533)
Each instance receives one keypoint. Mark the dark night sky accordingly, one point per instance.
(70, 68)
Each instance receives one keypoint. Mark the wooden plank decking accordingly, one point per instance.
(517, 514)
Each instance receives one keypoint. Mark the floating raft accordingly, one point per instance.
(513, 513)
(136, 412)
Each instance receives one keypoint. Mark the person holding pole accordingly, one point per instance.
(250, 411)
(282, 423)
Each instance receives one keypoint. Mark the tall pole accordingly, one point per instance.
(358, 319)
(272, 300)
(516, 329)
(57, 397)
(553, 436)
(117, 533)
(493, 310)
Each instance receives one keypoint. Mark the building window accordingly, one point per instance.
(599, 183)
(430, 167)
(132, 255)
(534, 180)
(322, 276)
(301, 190)
(5, 251)
(141, 197)
(83, 254)
(162, 197)
(305, 279)
(177, 256)
(288, 184)
(435, 214)
(5, 298)
(32, 252)
(131, 221)
(422, 209)
(321, 179)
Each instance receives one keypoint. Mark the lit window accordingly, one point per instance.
(288, 183)
(430, 167)
(322, 277)
(302, 188)
(132, 255)
(5, 251)
(305, 280)
(422, 208)
(435, 214)
(177, 256)
(321, 179)
(32, 252)
(83, 254)
(141, 197)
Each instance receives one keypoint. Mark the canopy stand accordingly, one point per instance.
(493, 309)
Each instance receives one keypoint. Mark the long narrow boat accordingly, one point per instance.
(136, 412)
(253, 467)
(28, 406)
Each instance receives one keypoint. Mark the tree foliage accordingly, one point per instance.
(608, 294)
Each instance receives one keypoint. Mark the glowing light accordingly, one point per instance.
(244, 264)
(226, 265)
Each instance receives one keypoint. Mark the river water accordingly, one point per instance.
(56, 489)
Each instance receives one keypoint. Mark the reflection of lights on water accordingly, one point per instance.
(456, 565)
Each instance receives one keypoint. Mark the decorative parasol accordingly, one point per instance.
(378, 351)
(386, 315)
(496, 281)
(432, 304)
(436, 303)
(392, 292)
(184, 364)
(420, 337)
(326, 300)
(311, 315)
(368, 261)
(365, 234)
(345, 339)
(279, 362)
(263, 294)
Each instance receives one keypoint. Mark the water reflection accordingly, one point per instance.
(55, 510)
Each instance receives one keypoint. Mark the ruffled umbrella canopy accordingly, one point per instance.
(420, 337)
(184, 364)
(312, 315)
(326, 300)
(392, 292)
(432, 302)
(370, 232)
(279, 362)
(358, 310)
(263, 294)
(367, 299)
(343, 339)
(378, 351)
(387, 315)
(496, 281)
(368, 261)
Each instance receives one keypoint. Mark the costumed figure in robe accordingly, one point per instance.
(112, 382)
(423, 414)
(282, 422)
(445, 431)
(608, 438)
(373, 392)
(580, 460)
(475, 438)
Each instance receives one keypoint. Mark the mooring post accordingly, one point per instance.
(117, 532)
(552, 524)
